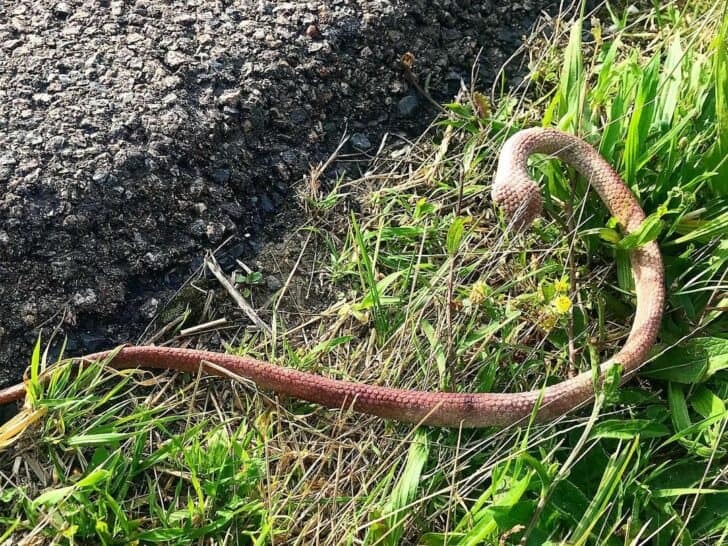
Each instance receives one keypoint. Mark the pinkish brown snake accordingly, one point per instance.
(520, 199)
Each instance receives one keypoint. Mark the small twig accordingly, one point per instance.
(317, 171)
(572, 277)
(214, 268)
(411, 78)
(200, 327)
(166, 328)
(294, 269)
(451, 360)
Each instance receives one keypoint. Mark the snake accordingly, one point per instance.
(519, 198)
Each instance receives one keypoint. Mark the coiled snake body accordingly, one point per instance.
(520, 199)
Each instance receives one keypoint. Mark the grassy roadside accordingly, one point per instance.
(424, 287)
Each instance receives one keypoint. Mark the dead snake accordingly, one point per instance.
(520, 199)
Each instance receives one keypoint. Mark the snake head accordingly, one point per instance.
(517, 196)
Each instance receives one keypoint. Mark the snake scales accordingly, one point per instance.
(520, 199)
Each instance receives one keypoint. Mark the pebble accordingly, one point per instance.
(360, 142)
(230, 97)
(299, 115)
(93, 343)
(175, 59)
(273, 283)
(266, 204)
(198, 228)
(62, 10)
(221, 176)
(84, 299)
(407, 105)
(149, 308)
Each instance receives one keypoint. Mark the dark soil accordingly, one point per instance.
(136, 134)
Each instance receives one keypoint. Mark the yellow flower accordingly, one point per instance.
(562, 286)
(478, 292)
(562, 304)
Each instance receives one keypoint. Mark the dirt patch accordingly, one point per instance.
(135, 135)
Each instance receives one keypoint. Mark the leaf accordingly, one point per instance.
(436, 346)
(706, 230)
(101, 439)
(679, 492)
(572, 81)
(706, 403)
(670, 82)
(640, 121)
(678, 407)
(624, 270)
(628, 429)
(609, 235)
(395, 512)
(455, 234)
(648, 231)
(469, 154)
(53, 497)
(94, 478)
(610, 482)
(691, 362)
(720, 70)
(440, 539)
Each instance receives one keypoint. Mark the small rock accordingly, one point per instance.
(237, 250)
(84, 299)
(407, 105)
(185, 19)
(9, 45)
(70, 221)
(42, 98)
(134, 37)
(266, 204)
(312, 31)
(175, 59)
(221, 176)
(214, 231)
(273, 283)
(100, 175)
(169, 99)
(93, 343)
(198, 228)
(315, 47)
(62, 10)
(154, 260)
(230, 97)
(299, 115)
(149, 308)
(28, 313)
(196, 187)
(233, 210)
(360, 142)
(7, 159)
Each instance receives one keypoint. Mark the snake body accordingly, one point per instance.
(520, 199)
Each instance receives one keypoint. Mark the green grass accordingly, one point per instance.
(425, 287)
